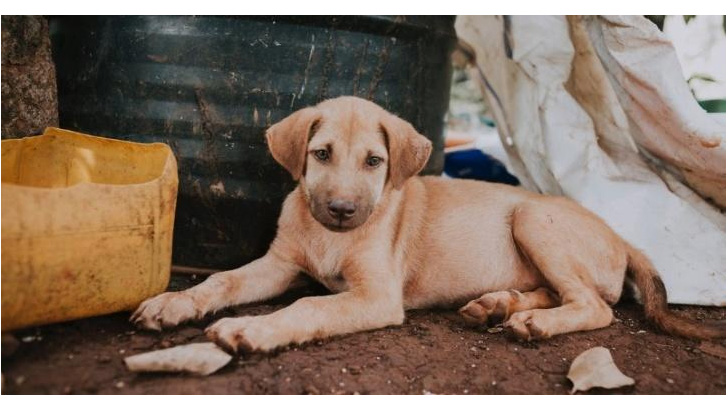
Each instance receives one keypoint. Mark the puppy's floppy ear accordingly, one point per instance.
(288, 139)
(408, 149)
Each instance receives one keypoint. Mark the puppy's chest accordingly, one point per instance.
(324, 260)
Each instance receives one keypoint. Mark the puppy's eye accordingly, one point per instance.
(321, 155)
(374, 161)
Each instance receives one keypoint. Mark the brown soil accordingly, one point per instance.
(432, 352)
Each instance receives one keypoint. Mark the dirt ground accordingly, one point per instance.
(432, 352)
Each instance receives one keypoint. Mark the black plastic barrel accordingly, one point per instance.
(210, 86)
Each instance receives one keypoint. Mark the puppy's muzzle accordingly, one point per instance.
(341, 209)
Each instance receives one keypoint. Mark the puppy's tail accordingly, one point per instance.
(654, 297)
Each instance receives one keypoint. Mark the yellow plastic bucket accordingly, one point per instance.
(86, 226)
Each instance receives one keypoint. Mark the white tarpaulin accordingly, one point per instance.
(596, 108)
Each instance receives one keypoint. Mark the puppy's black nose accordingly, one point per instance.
(342, 209)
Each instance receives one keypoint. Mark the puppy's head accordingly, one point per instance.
(347, 153)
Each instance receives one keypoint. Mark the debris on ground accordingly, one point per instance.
(197, 358)
(595, 368)
(712, 349)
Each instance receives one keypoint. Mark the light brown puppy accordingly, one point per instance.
(384, 241)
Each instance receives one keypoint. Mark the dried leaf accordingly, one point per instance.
(595, 368)
(196, 358)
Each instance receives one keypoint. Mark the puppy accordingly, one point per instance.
(384, 241)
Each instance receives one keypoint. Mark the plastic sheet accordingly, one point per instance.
(596, 108)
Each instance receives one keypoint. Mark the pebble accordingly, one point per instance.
(670, 381)
(311, 389)
(120, 385)
(122, 351)
(20, 380)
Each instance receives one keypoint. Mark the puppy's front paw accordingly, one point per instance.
(247, 333)
(166, 310)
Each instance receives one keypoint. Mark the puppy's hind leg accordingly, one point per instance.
(497, 307)
(569, 251)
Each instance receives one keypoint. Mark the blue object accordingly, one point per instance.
(475, 164)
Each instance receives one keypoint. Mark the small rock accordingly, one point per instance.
(120, 385)
(122, 351)
(19, 380)
(310, 389)
(495, 329)
(670, 381)
(10, 345)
